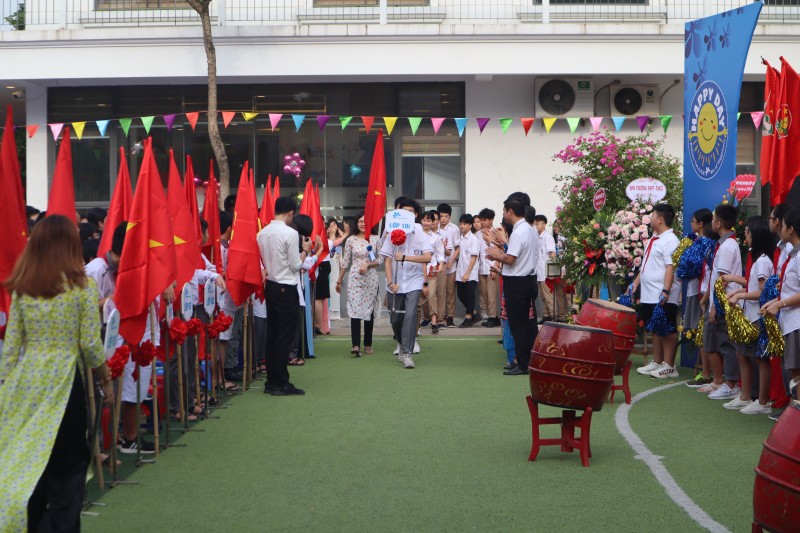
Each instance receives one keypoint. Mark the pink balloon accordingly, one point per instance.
(296, 155)
(287, 169)
(301, 163)
(297, 173)
(287, 158)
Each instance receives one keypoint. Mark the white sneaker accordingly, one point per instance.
(755, 408)
(724, 392)
(737, 403)
(416, 349)
(793, 385)
(396, 350)
(408, 362)
(665, 371)
(649, 367)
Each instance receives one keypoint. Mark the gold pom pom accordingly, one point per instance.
(740, 330)
(776, 344)
(685, 243)
(698, 339)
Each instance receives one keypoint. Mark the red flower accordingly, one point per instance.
(398, 237)
(194, 326)
(144, 354)
(178, 330)
(220, 324)
(116, 364)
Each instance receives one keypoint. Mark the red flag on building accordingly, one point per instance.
(147, 265)
(187, 247)
(305, 203)
(62, 191)
(771, 102)
(244, 267)
(267, 204)
(212, 249)
(252, 185)
(319, 227)
(12, 214)
(375, 208)
(786, 152)
(190, 190)
(276, 190)
(120, 207)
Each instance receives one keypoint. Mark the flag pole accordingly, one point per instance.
(245, 343)
(154, 377)
(181, 395)
(95, 417)
(167, 379)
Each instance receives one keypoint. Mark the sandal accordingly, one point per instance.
(107, 460)
(296, 361)
(368, 350)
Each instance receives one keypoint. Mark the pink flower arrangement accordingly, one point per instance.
(625, 240)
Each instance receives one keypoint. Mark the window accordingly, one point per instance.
(142, 4)
(593, 2)
(369, 3)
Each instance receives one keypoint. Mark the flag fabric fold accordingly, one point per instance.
(120, 207)
(211, 215)
(187, 247)
(375, 207)
(244, 266)
(785, 165)
(267, 204)
(62, 191)
(190, 191)
(771, 103)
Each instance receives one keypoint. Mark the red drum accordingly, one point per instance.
(619, 319)
(572, 366)
(776, 495)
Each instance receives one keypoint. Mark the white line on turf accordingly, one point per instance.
(653, 462)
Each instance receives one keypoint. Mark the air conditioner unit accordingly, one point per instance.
(564, 97)
(635, 101)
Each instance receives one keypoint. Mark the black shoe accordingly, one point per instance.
(425, 323)
(294, 391)
(317, 331)
(233, 375)
(130, 447)
(508, 366)
(516, 371)
(467, 323)
(450, 323)
(286, 390)
(435, 329)
(499, 341)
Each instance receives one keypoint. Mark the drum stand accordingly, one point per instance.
(568, 440)
(625, 388)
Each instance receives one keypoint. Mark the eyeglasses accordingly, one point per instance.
(773, 218)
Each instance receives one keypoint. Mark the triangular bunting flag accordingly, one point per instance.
(757, 116)
(618, 121)
(595, 123)
(249, 116)
(192, 118)
(102, 125)
(526, 124)
(414, 122)
(390, 122)
(32, 129)
(482, 122)
(573, 123)
(55, 129)
(548, 123)
(461, 124)
(737, 116)
(78, 127)
(298, 121)
(505, 123)
(147, 122)
(344, 121)
(274, 120)
(368, 121)
(322, 120)
(643, 122)
(169, 120)
(125, 124)
(227, 117)
(437, 124)
(665, 120)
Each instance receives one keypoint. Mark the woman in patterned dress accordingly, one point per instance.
(360, 256)
(53, 331)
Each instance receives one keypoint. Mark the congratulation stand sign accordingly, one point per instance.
(647, 190)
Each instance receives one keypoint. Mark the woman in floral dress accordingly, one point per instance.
(360, 256)
(53, 331)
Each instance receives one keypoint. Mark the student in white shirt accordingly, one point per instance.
(488, 279)
(230, 338)
(433, 280)
(547, 253)
(776, 227)
(452, 244)
(467, 270)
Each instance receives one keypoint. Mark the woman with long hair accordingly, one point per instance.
(53, 334)
(360, 256)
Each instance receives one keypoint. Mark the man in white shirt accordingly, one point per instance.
(279, 246)
(452, 245)
(519, 278)
(405, 283)
(547, 253)
(657, 280)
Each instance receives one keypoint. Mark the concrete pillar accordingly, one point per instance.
(37, 157)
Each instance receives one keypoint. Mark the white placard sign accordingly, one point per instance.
(648, 190)
(399, 219)
(187, 305)
(210, 299)
(112, 332)
(170, 311)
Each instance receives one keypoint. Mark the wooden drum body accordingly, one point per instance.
(620, 320)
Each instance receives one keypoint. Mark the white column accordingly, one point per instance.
(221, 15)
(36, 156)
(545, 11)
(384, 7)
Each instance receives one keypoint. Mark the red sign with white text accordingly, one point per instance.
(743, 185)
(599, 199)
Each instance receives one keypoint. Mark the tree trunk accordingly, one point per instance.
(214, 136)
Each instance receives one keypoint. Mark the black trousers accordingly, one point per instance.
(355, 331)
(57, 500)
(466, 293)
(520, 295)
(283, 314)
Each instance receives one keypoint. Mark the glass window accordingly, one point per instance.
(368, 3)
(142, 4)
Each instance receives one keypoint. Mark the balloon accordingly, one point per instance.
(293, 164)
(355, 170)
(296, 155)
(301, 163)
(287, 158)
(287, 169)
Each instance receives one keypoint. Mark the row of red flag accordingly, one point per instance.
(780, 148)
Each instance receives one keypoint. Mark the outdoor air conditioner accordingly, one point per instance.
(635, 101)
(567, 97)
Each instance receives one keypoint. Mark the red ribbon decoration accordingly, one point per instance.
(116, 364)
(398, 237)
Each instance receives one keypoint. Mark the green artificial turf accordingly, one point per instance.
(444, 447)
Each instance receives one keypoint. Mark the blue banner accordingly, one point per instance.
(715, 52)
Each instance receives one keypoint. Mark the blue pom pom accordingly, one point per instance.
(659, 324)
(691, 264)
(626, 300)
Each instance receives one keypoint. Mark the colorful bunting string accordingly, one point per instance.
(192, 118)
(618, 122)
(414, 122)
(78, 127)
(249, 116)
(757, 116)
(298, 121)
(595, 123)
(169, 120)
(437, 124)
(643, 122)
(505, 123)
(55, 129)
(573, 123)
(368, 121)
(32, 129)
(665, 120)
(322, 120)
(526, 124)
(548, 123)
(102, 125)
(274, 120)
(390, 122)
(147, 122)
(344, 121)
(227, 117)
(461, 124)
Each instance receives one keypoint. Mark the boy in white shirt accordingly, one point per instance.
(430, 224)
(547, 253)
(466, 270)
(489, 280)
(657, 280)
(452, 244)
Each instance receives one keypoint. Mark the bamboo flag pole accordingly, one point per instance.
(154, 376)
(245, 345)
(115, 428)
(181, 405)
(98, 462)
(197, 368)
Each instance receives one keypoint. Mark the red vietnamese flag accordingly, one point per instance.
(120, 207)
(375, 208)
(771, 103)
(319, 227)
(12, 213)
(190, 191)
(267, 204)
(147, 265)
(62, 191)
(187, 247)
(276, 190)
(252, 185)
(244, 266)
(786, 153)
(305, 203)
(212, 249)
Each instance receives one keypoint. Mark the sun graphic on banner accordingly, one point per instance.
(708, 132)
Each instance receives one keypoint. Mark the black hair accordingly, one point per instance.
(727, 214)
(304, 225)
(516, 202)
(703, 216)
(398, 201)
(444, 208)
(118, 240)
(521, 197)
(90, 247)
(466, 218)
(30, 211)
(486, 214)
(779, 211)
(430, 215)
(203, 225)
(764, 241)
(87, 230)
(667, 212)
(530, 214)
(540, 218)
(285, 204)
(96, 216)
(708, 231)
(508, 227)
(410, 202)
(230, 203)
(225, 221)
(791, 219)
